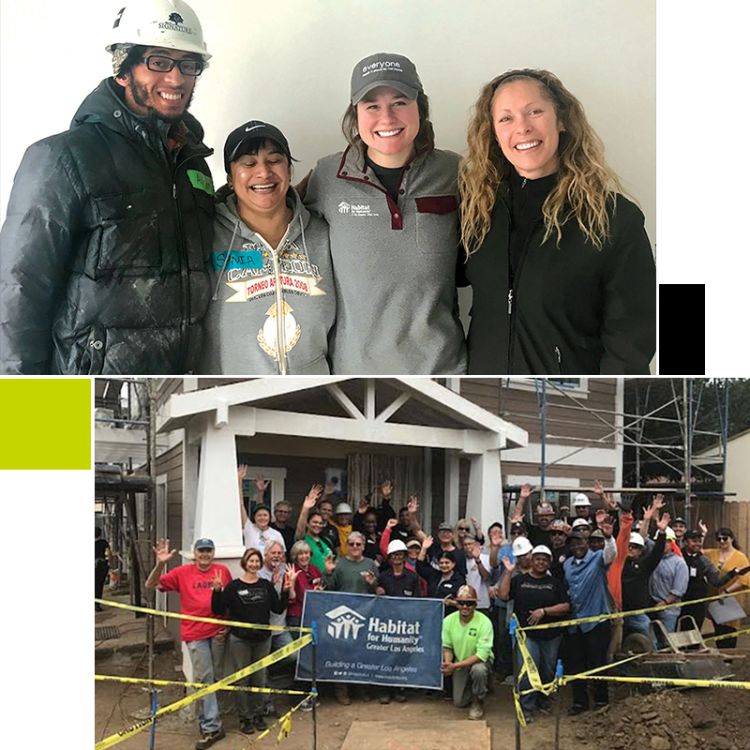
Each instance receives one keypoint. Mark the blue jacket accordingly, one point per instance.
(587, 586)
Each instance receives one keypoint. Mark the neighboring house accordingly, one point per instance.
(734, 512)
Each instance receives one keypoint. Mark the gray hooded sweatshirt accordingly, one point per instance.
(272, 308)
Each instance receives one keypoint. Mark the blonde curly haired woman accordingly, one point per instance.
(562, 271)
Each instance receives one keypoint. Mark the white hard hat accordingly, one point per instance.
(521, 546)
(343, 508)
(636, 538)
(171, 24)
(580, 522)
(396, 546)
(580, 500)
(670, 533)
(541, 549)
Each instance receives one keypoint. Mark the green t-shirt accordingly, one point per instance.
(467, 640)
(348, 576)
(320, 550)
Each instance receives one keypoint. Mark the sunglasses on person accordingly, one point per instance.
(163, 64)
(723, 538)
(356, 544)
(463, 528)
(470, 603)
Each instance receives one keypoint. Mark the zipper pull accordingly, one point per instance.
(510, 301)
(523, 184)
(174, 191)
(559, 356)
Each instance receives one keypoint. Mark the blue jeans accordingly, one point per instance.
(206, 658)
(544, 654)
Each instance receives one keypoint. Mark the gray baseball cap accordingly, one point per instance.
(385, 69)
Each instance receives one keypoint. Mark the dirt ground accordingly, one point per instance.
(696, 719)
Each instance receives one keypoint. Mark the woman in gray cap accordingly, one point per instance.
(273, 303)
(391, 202)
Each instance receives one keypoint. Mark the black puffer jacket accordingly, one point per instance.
(103, 255)
(574, 309)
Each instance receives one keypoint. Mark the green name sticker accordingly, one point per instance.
(201, 181)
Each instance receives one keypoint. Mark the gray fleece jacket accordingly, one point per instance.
(272, 309)
(394, 265)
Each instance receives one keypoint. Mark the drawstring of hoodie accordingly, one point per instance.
(226, 261)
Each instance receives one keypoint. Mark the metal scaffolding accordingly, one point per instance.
(676, 453)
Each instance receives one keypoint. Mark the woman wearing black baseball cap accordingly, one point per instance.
(273, 303)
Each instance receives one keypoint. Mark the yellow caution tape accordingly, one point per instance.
(675, 681)
(196, 618)
(284, 723)
(627, 613)
(734, 634)
(529, 665)
(519, 711)
(551, 687)
(178, 683)
(282, 653)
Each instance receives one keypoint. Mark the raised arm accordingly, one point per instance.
(307, 505)
(241, 474)
(523, 496)
(163, 556)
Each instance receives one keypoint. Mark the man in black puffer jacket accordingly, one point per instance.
(103, 253)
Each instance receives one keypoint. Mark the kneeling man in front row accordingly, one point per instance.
(467, 652)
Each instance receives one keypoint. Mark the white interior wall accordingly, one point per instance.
(290, 61)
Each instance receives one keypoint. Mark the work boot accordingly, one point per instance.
(476, 711)
(259, 722)
(210, 739)
(342, 695)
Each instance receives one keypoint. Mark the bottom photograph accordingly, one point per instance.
(413, 563)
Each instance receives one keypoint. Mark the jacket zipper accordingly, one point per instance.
(559, 360)
(512, 292)
(182, 255)
(280, 337)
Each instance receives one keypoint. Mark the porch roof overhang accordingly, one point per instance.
(472, 430)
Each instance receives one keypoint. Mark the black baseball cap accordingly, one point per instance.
(239, 140)
(693, 534)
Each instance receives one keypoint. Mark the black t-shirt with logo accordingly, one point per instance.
(249, 602)
(407, 584)
(529, 593)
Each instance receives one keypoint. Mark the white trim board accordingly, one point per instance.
(532, 453)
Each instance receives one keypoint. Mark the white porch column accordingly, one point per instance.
(217, 506)
(450, 512)
(484, 501)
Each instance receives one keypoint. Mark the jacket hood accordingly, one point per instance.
(228, 217)
(105, 106)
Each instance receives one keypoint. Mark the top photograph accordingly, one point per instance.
(323, 187)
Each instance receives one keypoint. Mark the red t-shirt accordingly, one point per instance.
(194, 587)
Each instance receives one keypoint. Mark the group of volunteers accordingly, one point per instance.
(556, 568)
(118, 256)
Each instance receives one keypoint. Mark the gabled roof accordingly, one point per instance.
(401, 401)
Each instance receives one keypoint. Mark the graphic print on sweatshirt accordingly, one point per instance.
(252, 274)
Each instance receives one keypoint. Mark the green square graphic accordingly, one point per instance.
(46, 423)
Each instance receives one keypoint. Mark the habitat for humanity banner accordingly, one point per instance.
(380, 640)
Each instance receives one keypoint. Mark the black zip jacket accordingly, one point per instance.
(635, 575)
(702, 572)
(103, 255)
(572, 309)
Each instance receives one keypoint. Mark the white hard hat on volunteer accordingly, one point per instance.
(396, 546)
(580, 500)
(171, 24)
